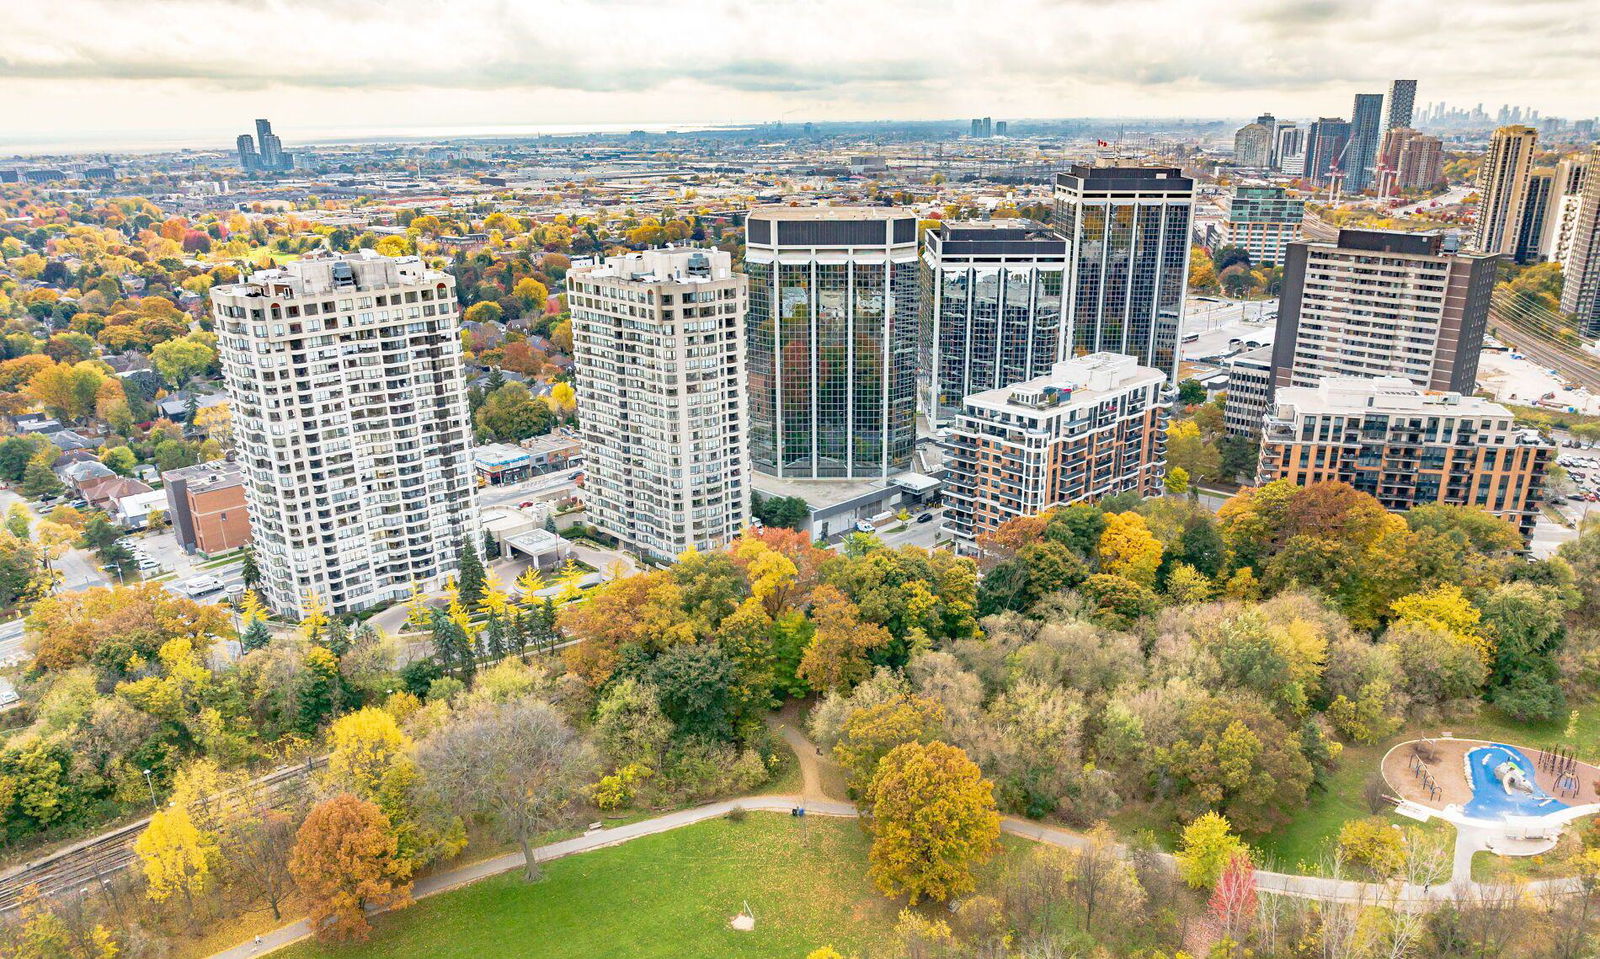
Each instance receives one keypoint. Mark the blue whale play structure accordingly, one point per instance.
(1504, 784)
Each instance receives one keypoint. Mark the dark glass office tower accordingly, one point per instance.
(831, 334)
(991, 307)
(1326, 145)
(1366, 130)
(1128, 230)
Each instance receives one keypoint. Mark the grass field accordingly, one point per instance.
(669, 895)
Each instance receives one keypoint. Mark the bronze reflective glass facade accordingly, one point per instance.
(831, 335)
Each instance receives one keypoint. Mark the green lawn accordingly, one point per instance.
(669, 895)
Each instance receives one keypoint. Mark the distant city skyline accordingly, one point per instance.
(316, 68)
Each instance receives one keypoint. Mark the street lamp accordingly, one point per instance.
(151, 783)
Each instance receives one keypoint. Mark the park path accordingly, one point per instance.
(589, 841)
(1393, 895)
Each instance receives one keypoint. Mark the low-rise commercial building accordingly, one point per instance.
(1249, 386)
(1093, 426)
(1406, 446)
(498, 463)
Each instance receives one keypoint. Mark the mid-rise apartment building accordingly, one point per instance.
(350, 418)
(1091, 427)
(206, 504)
(658, 348)
(1503, 186)
(831, 334)
(1406, 447)
(1381, 303)
(1263, 220)
(1129, 233)
(992, 309)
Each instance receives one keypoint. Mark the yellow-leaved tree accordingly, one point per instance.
(363, 746)
(1446, 608)
(175, 856)
(933, 820)
(1128, 548)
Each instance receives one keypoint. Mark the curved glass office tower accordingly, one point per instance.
(831, 335)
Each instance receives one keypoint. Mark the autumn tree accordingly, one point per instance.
(516, 764)
(870, 733)
(363, 746)
(836, 659)
(259, 842)
(175, 856)
(1207, 846)
(111, 625)
(1128, 549)
(343, 862)
(933, 820)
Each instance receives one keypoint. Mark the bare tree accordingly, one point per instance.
(258, 845)
(517, 764)
(1040, 881)
(1104, 882)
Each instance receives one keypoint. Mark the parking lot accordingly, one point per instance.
(1512, 378)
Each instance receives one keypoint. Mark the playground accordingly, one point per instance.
(1505, 799)
(1489, 781)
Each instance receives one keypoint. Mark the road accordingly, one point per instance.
(1449, 197)
(1218, 328)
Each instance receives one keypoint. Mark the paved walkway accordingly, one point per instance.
(1394, 895)
(595, 839)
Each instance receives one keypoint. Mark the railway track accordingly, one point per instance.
(92, 863)
(1537, 342)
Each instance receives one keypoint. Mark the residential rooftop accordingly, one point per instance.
(1070, 383)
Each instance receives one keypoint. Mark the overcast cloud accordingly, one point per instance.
(100, 67)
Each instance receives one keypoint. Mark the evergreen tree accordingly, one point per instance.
(255, 636)
(471, 579)
(321, 691)
(550, 523)
(491, 548)
(546, 629)
(494, 637)
(38, 480)
(517, 631)
(441, 631)
(338, 638)
(249, 572)
(494, 380)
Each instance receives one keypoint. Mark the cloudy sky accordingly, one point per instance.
(150, 70)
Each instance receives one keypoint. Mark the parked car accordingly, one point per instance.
(862, 526)
(925, 518)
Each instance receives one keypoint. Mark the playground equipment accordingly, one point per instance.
(1512, 778)
(1562, 763)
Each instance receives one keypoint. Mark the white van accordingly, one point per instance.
(201, 586)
